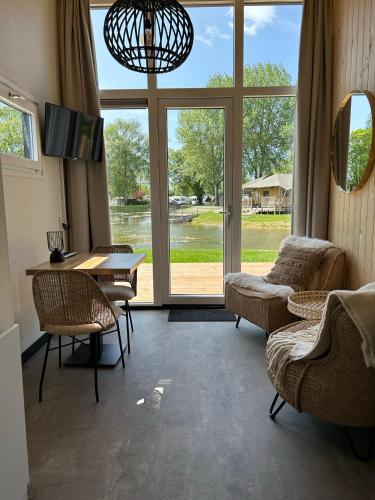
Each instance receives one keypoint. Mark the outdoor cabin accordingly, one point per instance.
(214, 345)
(272, 193)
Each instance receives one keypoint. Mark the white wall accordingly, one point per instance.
(14, 474)
(33, 204)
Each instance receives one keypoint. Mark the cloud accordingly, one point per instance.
(210, 34)
(256, 18)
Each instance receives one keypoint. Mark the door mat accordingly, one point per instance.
(197, 315)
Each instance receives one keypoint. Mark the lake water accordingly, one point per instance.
(136, 231)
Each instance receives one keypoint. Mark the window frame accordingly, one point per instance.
(24, 104)
(115, 98)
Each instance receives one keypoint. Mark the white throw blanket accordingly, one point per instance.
(284, 347)
(258, 284)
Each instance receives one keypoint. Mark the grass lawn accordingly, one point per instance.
(212, 255)
(257, 220)
(121, 209)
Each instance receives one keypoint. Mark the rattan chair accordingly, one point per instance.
(71, 303)
(269, 311)
(337, 387)
(119, 287)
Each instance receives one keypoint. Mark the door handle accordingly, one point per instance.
(227, 212)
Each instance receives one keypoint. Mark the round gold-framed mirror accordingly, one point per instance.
(353, 141)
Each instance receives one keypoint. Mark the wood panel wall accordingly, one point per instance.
(352, 215)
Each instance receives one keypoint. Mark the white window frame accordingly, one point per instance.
(20, 100)
(112, 99)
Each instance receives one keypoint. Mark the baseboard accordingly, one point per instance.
(34, 348)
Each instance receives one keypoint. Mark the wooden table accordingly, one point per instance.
(95, 265)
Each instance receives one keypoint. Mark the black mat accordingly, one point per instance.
(190, 315)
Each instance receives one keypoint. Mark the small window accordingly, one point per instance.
(271, 44)
(266, 194)
(16, 132)
(210, 63)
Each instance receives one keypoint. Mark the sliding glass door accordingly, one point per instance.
(195, 159)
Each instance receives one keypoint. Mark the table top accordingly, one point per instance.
(94, 264)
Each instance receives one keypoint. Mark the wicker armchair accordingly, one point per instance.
(337, 387)
(271, 312)
(119, 287)
(71, 303)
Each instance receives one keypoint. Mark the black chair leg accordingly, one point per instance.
(127, 326)
(130, 316)
(44, 368)
(367, 455)
(96, 367)
(73, 343)
(120, 342)
(272, 412)
(238, 321)
(59, 351)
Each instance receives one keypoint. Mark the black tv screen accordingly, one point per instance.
(71, 134)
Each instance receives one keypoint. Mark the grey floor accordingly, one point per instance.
(186, 419)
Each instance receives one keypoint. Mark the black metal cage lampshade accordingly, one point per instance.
(148, 36)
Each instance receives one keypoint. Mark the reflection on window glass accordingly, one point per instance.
(210, 63)
(110, 73)
(16, 133)
(127, 154)
(268, 157)
(271, 44)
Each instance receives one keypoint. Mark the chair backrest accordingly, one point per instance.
(128, 278)
(331, 273)
(70, 298)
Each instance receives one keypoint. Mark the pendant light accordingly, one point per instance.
(148, 36)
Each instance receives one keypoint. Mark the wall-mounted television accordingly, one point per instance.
(71, 134)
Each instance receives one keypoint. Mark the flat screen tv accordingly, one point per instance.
(71, 134)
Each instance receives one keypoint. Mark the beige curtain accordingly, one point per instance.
(86, 182)
(314, 104)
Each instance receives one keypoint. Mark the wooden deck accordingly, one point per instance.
(193, 279)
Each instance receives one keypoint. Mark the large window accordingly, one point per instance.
(195, 230)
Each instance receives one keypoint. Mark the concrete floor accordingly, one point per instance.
(186, 419)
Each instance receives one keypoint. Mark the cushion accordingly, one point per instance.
(117, 291)
(296, 266)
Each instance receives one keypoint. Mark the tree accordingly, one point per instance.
(268, 128)
(268, 122)
(182, 176)
(359, 150)
(201, 135)
(11, 131)
(127, 157)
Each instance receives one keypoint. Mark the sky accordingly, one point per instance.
(271, 35)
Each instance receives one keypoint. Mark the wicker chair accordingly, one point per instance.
(337, 387)
(271, 312)
(71, 303)
(116, 286)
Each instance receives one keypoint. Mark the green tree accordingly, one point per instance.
(359, 150)
(200, 133)
(182, 177)
(11, 132)
(127, 158)
(268, 129)
(268, 122)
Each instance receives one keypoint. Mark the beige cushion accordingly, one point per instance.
(114, 291)
(296, 266)
(86, 329)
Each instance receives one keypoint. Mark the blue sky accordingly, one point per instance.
(271, 35)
